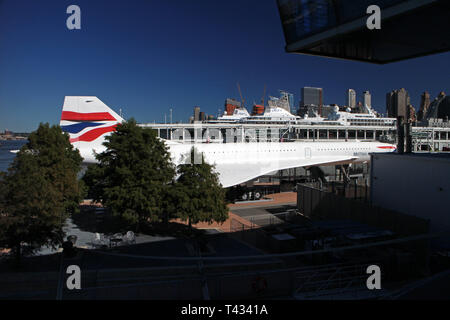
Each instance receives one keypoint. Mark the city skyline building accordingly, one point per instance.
(367, 99)
(397, 104)
(196, 113)
(438, 112)
(311, 97)
(424, 104)
(351, 98)
(412, 116)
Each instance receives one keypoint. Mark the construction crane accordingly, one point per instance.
(264, 95)
(240, 93)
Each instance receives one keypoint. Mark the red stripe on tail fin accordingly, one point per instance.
(94, 134)
(94, 116)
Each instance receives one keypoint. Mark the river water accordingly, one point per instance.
(6, 157)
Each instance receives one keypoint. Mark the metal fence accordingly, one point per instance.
(357, 189)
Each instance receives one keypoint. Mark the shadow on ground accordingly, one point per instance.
(91, 219)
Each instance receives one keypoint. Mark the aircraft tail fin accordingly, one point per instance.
(87, 119)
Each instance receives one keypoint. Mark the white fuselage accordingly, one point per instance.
(240, 162)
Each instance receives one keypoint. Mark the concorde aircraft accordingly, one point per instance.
(88, 121)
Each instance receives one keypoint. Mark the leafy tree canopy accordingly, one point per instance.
(39, 190)
(199, 196)
(133, 176)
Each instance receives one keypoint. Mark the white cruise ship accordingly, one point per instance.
(238, 114)
(278, 112)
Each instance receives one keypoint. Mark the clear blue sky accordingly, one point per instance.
(148, 56)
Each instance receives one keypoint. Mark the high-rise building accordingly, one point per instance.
(367, 99)
(202, 116)
(424, 104)
(196, 113)
(351, 98)
(412, 113)
(397, 103)
(439, 110)
(311, 97)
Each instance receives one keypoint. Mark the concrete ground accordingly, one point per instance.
(261, 214)
(236, 214)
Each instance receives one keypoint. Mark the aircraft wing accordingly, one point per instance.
(234, 173)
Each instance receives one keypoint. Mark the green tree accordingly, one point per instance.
(133, 176)
(39, 190)
(199, 196)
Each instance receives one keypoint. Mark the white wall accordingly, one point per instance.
(418, 185)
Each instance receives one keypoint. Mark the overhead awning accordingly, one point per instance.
(337, 28)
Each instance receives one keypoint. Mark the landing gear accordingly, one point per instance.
(251, 196)
(345, 171)
(317, 174)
